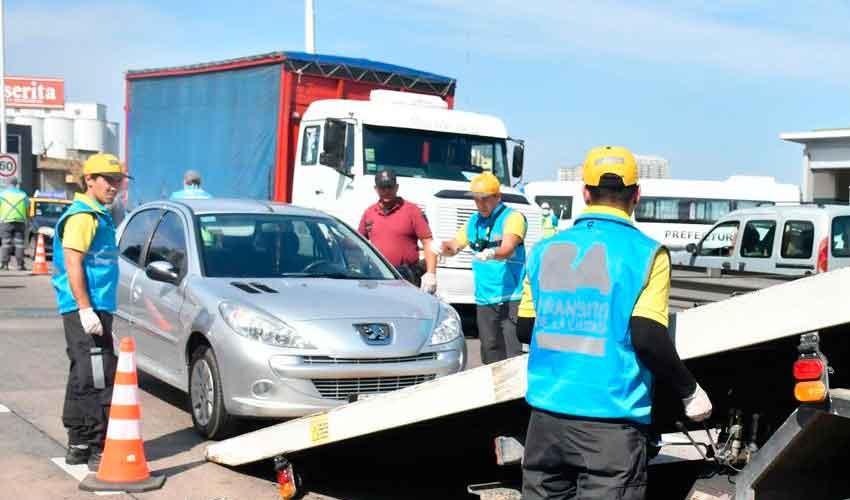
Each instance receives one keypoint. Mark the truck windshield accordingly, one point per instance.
(432, 155)
(285, 246)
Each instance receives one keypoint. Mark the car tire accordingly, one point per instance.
(206, 398)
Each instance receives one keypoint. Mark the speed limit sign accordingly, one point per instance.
(8, 166)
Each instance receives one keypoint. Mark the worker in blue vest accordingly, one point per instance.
(191, 188)
(14, 206)
(595, 313)
(85, 278)
(496, 234)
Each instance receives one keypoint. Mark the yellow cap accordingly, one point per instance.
(484, 184)
(615, 160)
(103, 164)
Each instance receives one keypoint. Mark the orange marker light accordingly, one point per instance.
(810, 392)
(285, 479)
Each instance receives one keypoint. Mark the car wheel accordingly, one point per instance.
(205, 395)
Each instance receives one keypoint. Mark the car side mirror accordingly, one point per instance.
(333, 144)
(161, 270)
(519, 155)
(691, 248)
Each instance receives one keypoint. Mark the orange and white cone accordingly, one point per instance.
(39, 265)
(123, 465)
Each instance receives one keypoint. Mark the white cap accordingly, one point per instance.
(545, 204)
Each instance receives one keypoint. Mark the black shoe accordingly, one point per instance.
(94, 460)
(77, 456)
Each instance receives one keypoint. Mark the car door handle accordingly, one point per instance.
(726, 265)
(319, 191)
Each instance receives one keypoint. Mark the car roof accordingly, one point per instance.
(791, 211)
(236, 206)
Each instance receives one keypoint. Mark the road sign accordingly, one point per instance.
(9, 166)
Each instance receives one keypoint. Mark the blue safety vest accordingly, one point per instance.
(496, 281)
(585, 282)
(191, 193)
(100, 263)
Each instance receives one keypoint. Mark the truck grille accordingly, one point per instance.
(327, 360)
(342, 389)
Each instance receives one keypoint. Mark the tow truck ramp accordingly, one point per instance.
(783, 310)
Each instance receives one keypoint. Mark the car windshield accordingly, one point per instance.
(48, 209)
(277, 245)
(432, 155)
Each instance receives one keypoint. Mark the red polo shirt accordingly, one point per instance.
(396, 232)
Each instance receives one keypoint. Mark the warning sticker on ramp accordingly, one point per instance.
(319, 428)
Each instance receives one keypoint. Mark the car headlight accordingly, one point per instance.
(448, 326)
(257, 325)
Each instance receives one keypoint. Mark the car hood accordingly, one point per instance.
(304, 299)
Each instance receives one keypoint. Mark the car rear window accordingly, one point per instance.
(841, 236)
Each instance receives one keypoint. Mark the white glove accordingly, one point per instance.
(91, 323)
(429, 283)
(436, 247)
(486, 254)
(697, 405)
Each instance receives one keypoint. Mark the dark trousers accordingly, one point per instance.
(12, 236)
(572, 458)
(86, 411)
(497, 331)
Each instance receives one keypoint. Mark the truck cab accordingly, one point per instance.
(433, 150)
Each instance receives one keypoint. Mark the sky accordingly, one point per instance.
(708, 85)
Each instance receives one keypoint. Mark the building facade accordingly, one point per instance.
(649, 167)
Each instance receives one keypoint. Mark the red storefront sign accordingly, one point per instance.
(35, 92)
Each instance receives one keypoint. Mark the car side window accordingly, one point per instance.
(720, 242)
(757, 240)
(798, 236)
(169, 243)
(136, 233)
(841, 236)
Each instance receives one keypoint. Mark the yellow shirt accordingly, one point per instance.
(653, 302)
(514, 224)
(80, 228)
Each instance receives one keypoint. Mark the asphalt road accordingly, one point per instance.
(33, 371)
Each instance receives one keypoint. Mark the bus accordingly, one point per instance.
(673, 212)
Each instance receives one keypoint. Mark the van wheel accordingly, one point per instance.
(206, 397)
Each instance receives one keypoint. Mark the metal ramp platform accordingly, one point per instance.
(784, 310)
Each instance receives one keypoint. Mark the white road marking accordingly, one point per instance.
(79, 472)
(3, 409)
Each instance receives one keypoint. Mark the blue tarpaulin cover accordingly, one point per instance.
(222, 124)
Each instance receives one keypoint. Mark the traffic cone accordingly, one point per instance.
(123, 466)
(39, 265)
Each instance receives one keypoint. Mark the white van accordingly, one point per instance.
(789, 240)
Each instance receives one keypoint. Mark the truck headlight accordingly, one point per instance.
(257, 325)
(448, 325)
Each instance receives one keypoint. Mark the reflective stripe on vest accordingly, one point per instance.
(585, 282)
(100, 263)
(496, 281)
(13, 206)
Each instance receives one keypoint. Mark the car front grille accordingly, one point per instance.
(343, 389)
(327, 360)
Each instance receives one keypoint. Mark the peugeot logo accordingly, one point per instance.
(375, 333)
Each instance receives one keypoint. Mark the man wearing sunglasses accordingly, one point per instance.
(85, 279)
(495, 234)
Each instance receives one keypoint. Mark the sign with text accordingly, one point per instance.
(35, 92)
(9, 167)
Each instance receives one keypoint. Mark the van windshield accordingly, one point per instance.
(274, 246)
(432, 155)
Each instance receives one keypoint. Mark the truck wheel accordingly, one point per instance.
(206, 397)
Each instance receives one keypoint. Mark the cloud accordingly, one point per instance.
(753, 38)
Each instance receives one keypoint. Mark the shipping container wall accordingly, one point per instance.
(222, 124)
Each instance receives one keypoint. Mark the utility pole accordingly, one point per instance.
(2, 78)
(309, 27)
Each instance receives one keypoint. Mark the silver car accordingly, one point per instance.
(268, 310)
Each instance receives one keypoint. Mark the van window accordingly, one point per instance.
(562, 206)
(757, 241)
(720, 242)
(841, 236)
(797, 239)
